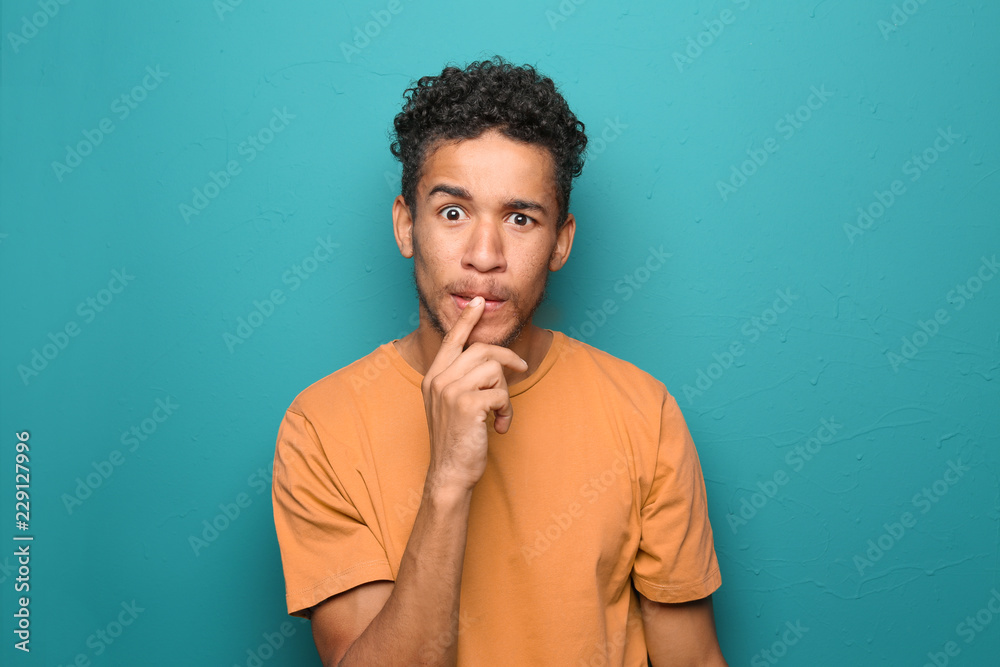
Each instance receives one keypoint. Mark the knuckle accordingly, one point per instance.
(437, 385)
(447, 393)
(502, 400)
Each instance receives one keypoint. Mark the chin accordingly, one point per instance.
(504, 337)
(486, 337)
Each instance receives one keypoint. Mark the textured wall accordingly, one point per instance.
(789, 216)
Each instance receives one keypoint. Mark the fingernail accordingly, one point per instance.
(476, 301)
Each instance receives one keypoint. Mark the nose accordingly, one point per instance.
(484, 250)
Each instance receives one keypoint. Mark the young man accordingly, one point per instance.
(485, 491)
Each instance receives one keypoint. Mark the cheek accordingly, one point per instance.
(537, 268)
(426, 266)
(532, 281)
(434, 253)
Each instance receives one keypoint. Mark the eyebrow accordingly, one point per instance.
(452, 190)
(462, 193)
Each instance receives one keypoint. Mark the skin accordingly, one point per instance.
(681, 633)
(490, 246)
(485, 223)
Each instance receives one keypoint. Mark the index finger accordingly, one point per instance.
(454, 341)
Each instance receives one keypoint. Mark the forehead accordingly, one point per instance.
(491, 165)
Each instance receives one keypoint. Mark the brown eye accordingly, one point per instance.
(452, 213)
(520, 219)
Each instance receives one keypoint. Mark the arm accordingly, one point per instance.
(339, 620)
(681, 634)
(415, 620)
(676, 559)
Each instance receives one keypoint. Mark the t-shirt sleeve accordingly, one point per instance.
(326, 545)
(676, 560)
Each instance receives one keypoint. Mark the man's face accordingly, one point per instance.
(485, 225)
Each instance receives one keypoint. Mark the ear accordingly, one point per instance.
(564, 242)
(402, 226)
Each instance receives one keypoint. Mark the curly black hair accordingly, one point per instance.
(488, 94)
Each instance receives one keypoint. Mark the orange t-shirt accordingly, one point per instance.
(595, 488)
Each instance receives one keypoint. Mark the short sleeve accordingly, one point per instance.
(326, 546)
(676, 560)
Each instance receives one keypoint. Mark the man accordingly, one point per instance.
(484, 491)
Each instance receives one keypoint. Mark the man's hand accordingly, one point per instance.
(460, 389)
(415, 619)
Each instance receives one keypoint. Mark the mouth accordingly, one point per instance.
(492, 303)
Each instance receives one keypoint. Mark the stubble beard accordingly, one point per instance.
(513, 303)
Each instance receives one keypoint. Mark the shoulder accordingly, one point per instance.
(343, 387)
(312, 427)
(613, 373)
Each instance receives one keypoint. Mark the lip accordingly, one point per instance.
(491, 305)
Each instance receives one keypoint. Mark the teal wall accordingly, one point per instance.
(821, 177)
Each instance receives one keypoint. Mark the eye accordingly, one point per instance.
(521, 220)
(452, 213)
